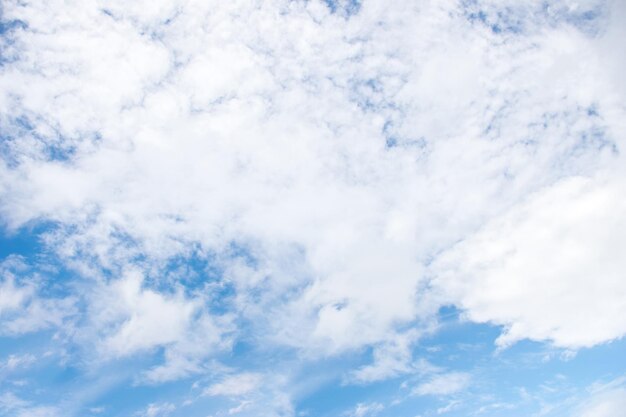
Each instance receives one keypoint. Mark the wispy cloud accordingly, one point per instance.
(235, 385)
(444, 384)
(363, 410)
(158, 410)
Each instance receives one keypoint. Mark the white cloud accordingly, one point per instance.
(392, 359)
(12, 297)
(148, 318)
(255, 135)
(611, 404)
(235, 385)
(366, 409)
(606, 400)
(238, 409)
(158, 410)
(548, 269)
(10, 404)
(443, 384)
(448, 407)
(128, 318)
(269, 393)
(22, 308)
(17, 361)
(9, 401)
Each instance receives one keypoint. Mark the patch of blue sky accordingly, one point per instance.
(26, 249)
(7, 39)
(77, 387)
(44, 138)
(372, 95)
(595, 138)
(498, 21)
(335, 398)
(395, 141)
(526, 368)
(588, 20)
(242, 251)
(31, 343)
(517, 20)
(344, 7)
(516, 381)
(193, 273)
(22, 242)
(37, 379)
(6, 26)
(125, 397)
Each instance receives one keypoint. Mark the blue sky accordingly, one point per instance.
(312, 208)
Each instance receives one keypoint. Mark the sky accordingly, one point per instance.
(312, 208)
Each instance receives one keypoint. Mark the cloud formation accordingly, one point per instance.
(314, 178)
(444, 384)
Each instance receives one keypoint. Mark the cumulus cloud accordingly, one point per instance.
(548, 269)
(333, 172)
(129, 319)
(288, 147)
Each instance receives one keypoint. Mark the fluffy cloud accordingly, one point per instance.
(129, 319)
(289, 148)
(343, 171)
(548, 269)
(23, 309)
